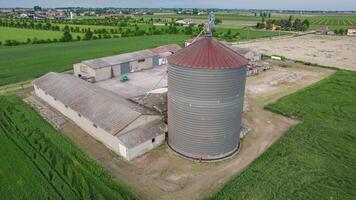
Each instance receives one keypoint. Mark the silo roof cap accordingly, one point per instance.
(207, 53)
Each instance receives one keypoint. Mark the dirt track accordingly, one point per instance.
(334, 51)
(161, 174)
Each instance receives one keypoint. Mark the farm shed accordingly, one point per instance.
(163, 52)
(206, 86)
(351, 31)
(247, 53)
(115, 66)
(102, 114)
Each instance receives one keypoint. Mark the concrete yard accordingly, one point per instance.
(333, 51)
(139, 82)
(162, 174)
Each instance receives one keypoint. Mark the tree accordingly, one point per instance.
(88, 35)
(67, 37)
(218, 21)
(37, 8)
(269, 15)
(297, 25)
(195, 11)
(306, 24)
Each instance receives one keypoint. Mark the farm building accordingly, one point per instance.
(107, 117)
(185, 22)
(248, 53)
(164, 51)
(118, 65)
(115, 66)
(206, 86)
(351, 31)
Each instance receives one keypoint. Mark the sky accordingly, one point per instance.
(233, 4)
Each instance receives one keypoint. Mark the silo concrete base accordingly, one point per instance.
(210, 159)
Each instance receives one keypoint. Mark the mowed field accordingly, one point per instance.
(314, 160)
(26, 62)
(37, 162)
(21, 35)
(248, 19)
(246, 34)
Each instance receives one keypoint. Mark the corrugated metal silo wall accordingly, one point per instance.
(204, 111)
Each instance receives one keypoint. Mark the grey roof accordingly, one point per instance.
(143, 134)
(118, 59)
(104, 108)
(95, 64)
(240, 50)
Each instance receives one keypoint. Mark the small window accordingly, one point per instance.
(55, 99)
(95, 125)
(141, 60)
(66, 106)
(79, 115)
(153, 140)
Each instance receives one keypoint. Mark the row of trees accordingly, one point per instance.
(104, 34)
(284, 24)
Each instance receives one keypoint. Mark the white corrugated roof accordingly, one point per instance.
(118, 59)
(102, 107)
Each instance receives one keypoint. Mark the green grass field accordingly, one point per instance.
(37, 162)
(26, 62)
(250, 34)
(317, 21)
(21, 35)
(314, 160)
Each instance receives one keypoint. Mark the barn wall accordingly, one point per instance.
(145, 147)
(77, 70)
(138, 66)
(116, 70)
(103, 74)
(106, 138)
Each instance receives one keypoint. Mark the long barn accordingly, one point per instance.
(107, 117)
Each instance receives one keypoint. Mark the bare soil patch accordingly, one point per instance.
(336, 51)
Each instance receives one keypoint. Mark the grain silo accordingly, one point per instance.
(206, 85)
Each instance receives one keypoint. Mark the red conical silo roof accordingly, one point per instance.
(206, 53)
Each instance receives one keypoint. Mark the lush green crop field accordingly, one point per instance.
(250, 34)
(314, 160)
(37, 162)
(333, 22)
(26, 62)
(21, 35)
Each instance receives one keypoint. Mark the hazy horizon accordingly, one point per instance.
(331, 5)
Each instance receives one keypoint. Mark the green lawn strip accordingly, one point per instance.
(36, 153)
(26, 62)
(21, 35)
(314, 160)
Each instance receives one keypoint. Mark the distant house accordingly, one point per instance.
(351, 31)
(185, 22)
